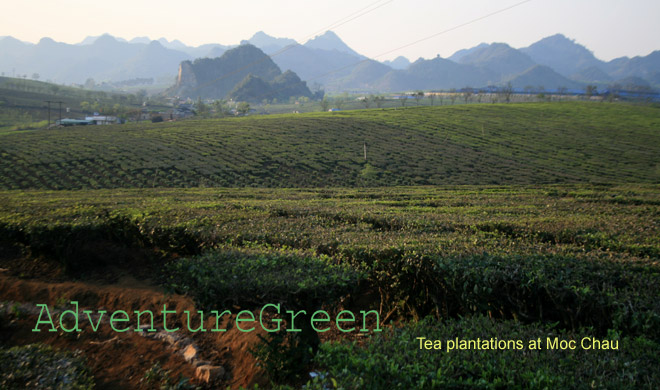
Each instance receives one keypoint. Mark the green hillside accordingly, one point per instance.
(467, 144)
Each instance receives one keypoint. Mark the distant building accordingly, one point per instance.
(183, 111)
(103, 119)
(73, 122)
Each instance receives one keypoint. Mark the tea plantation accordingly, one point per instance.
(468, 144)
(509, 222)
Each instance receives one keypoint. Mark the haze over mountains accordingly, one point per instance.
(553, 62)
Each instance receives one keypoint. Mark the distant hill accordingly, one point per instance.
(543, 76)
(593, 75)
(643, 67)
(400, 63)
(255, 90)
(216, 77)
(456, 57)
(437, 73)
(563, 55)
(324, 59)
(364, 76)
(329, 41)
(499, 60)
(317, 65)
(243, 73)
(269, 44)
(104, 59)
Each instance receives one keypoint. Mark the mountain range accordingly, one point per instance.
(553, 62)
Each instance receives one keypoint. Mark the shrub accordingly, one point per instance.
(393, 360)
(41, 367)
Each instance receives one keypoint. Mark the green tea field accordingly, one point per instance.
(492, 247)
(471, 144)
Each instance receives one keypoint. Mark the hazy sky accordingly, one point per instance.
(610, 28)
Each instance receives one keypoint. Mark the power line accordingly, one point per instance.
(335, 24)
(455, 27)
(423, 39)
(426, 38)
(338, 24)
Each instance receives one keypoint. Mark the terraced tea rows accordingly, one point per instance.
(481, 144)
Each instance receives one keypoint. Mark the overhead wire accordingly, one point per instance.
(338, 23)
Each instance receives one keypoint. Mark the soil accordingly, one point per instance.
(117, 360)
(120, 360)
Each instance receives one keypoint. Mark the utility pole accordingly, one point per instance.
(60, 102)
(48, 101)
(365, 151)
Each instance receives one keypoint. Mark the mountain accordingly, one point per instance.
(593, 75)
(269, 44)
(91, 39)
(104, 59)
(316, 65)
(140, 40)
(563, 55)
(438, 73)
(456, 57)
(329, 41)
(254, 89)
(245, 73)
(364, 76)
(644, 67)
(543, 76)
(499, 59)
(327, 60)
(153, 59)
(400, 62)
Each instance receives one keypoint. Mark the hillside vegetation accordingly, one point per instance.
(504, 262)
(469, 144)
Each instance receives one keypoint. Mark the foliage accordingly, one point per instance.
(248, 279)
(156, 375)
(41, 367)
(465, 144)
(284, 356)
(394, 360)
(568, 255)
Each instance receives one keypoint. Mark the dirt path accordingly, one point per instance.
(119, 360)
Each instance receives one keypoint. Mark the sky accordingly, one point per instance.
(609, 28)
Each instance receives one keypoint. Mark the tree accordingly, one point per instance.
(366, 101)
(379, 100)
(54, 88)
(591, 90)
(403, 99)
(35, 76)
(243, 108)
(140, 95)
(562, 91)
(201, 108)
(541, 92)
(467, 94)
(219, 108)
(506, 92)
(452, 95)
(324, 104)
(90, 84)
(431, 97)
(418, 95)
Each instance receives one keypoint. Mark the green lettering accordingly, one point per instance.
(39, 321)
